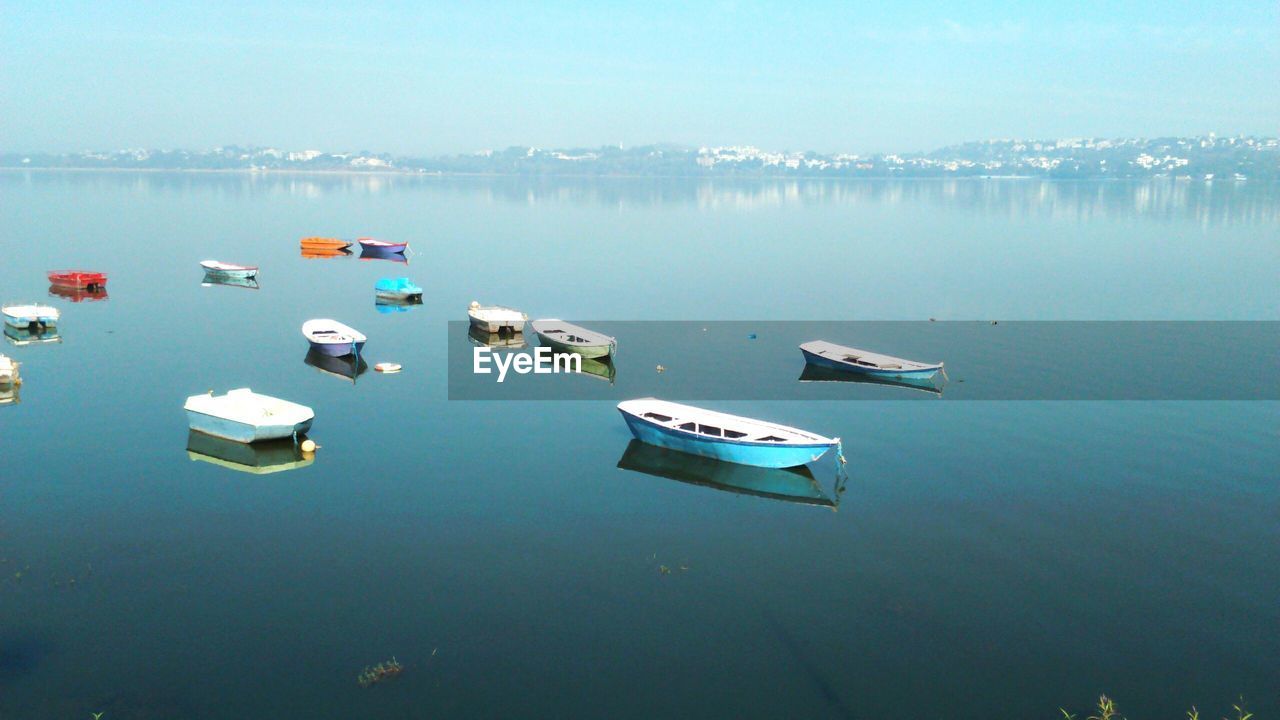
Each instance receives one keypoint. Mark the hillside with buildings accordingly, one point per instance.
(1207, 157)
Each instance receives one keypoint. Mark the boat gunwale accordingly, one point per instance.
(351, 334)
(817, 441)
(474, 314)
(601, 340)
(236, 402)
(217, 266)
(243, 422)
(324, 243)
(11, 310)
(381, 244)
(907, 366)
(79, 279)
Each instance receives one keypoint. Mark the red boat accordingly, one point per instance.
(78, 279)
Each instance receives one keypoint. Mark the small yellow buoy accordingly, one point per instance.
(387, 367)
(309, 445)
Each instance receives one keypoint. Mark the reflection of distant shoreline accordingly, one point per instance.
(222, 171)
(1210, 203)
(791, 177)
(554, 176)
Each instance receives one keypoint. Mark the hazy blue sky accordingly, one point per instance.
(422, 77)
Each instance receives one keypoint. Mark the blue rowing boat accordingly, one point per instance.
(722, 436)
(330, 337)
(839, 357)
(397, 289)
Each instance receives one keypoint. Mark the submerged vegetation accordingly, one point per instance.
(371, 676)
(1106, 710)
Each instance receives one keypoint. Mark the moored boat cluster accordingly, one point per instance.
(244, 416)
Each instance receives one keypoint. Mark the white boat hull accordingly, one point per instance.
(247, 417)
(243, 432)
(495, 326)
(24, 321)
(8, 371)
(234, 274)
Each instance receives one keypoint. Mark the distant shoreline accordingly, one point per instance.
(1193, 158)
(568, 176)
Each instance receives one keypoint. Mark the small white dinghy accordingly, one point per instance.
(839, 357)
(229, 270)
(332, 338)
(567, 337)
(9, 371)
(496, 318)
(245, 416)
(30, 317)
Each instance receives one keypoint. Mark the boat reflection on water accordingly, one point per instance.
(347, 367)
(395, 305)
(796, 485)
(368, 253)
(26, 336)
(315, 254)
(815, 373)
(77, 294)
(250, 283)
(601, 368)
(260, 458)
(480, 338)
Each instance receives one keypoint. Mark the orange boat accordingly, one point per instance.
(322, 243)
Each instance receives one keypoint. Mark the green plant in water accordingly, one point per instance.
(1107, 711)
(382, 671)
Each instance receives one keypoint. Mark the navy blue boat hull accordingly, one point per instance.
(336, 349)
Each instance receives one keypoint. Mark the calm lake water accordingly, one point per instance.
(522, 559)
